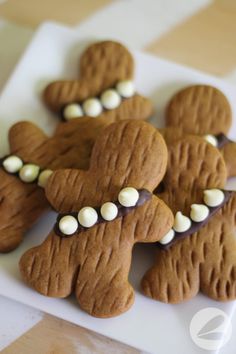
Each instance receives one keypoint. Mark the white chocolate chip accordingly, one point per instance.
(213, 197)
(68, 225)
(72, 111)
(29, 173)
(182, 223)
(125, 88)
(211, 139)
(128, 197)
(87, 216)
(12, 164)
(109, 211)
(43, 178)
(199, 212)
(110, 99)
(168, 237)
(92, 107)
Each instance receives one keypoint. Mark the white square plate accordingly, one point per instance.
(149, 325)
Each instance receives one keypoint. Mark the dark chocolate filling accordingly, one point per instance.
(160, 188)
(16, 174)
(196, 226)
(144, 195)
(2, 159)
(222, 140)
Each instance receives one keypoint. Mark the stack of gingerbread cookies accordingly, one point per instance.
(115, 180)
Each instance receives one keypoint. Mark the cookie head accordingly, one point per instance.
(200, 110)
(107, 62)
(193, 164)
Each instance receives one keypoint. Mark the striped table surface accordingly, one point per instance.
(197, 33)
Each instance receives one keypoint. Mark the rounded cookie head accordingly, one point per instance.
(200, 110)
(193, 165)
(107, 62)
(135, 150)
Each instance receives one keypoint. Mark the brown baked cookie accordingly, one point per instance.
(104, 88)
(24, 173)
(199, 254)
(103, 65)
(202, 110)
(199, 109)
(103, 212)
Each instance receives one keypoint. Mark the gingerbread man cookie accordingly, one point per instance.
(103, 212)
(105, 87)
(33, 155)
(24, 172)
(199, 253)
(202, 110)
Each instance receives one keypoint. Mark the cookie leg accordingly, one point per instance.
(10, 238)
(51, 268)
(218, 272)
(175, 276)
(102, 288)
(20, 207)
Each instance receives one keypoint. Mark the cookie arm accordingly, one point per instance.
(51, 267)
(136, 106)
(63, 189)
(60, 93)
(154, 220)
(25, 137)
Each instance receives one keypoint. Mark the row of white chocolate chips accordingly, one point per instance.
(211, 139)
(93, 107)
(88, 216)
(199, 213)
(28, 173)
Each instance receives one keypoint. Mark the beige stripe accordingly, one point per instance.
(205, 41)
(32, 13)
(53, 335)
